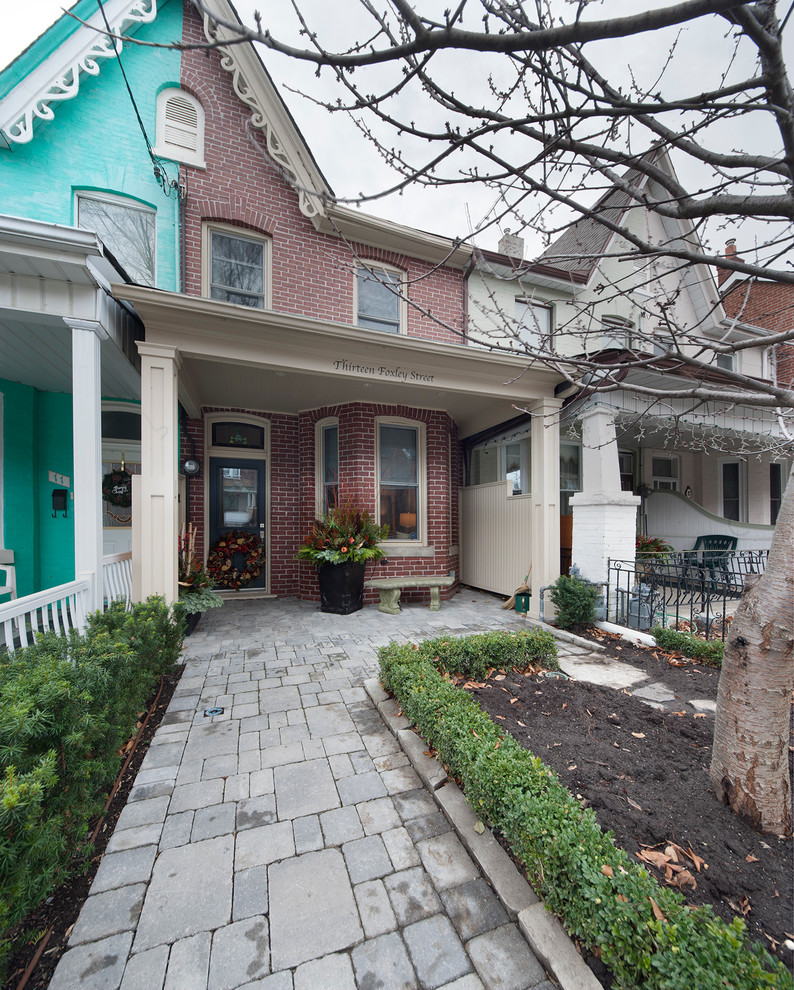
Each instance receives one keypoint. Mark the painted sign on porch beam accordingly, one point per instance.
(393, 373)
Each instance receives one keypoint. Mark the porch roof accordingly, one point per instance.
(259, 359)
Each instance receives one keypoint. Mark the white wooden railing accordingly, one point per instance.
(62, 608)
(117, 577)
(56, 609)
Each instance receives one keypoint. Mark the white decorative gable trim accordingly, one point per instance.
(58, 77)
(254, 87)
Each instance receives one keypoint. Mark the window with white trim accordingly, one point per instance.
(570, 474)
(616, 332)
(665, 473)
(533, 323)
(727, 362)
(400, 472)
(379, 304)
(327, 463)
(237, 266)
(126, 227)
(180, 127)
(732, 489)
(503, 459)
(777, 486)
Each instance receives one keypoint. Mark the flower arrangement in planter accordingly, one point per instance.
(341, 542)
(195, 584)
(653, 548)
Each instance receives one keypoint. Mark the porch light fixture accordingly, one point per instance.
(191, 467)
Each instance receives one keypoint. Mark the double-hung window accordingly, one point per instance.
(379, 299)
(327, 464)
(126, 227)
(399, 480)
(665, 473)
(237, 267)
(533, 323)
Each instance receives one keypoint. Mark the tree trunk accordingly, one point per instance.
(749, 760)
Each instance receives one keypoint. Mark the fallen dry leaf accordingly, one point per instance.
(623, 898)
(607, 870)
(697, 860)
(513, 701)
(521, 724)
(657, 911)
(638, 735)
(699, 715)
(634, 804)
(500, 717)
(499, 677)
(749, 858)
(479, 828)
(679, 713)
(681, 879)
(657, 859)
(676, 663)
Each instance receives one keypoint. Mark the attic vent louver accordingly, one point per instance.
(180, 127)
(181, 123)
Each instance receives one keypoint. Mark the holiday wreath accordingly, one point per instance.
(117, 488)
(220, 560)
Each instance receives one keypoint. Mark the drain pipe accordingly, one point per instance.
(540, 600)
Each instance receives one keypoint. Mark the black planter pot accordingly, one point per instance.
(191, 620)
(341, 587)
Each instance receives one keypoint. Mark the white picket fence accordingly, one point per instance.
(64, 607)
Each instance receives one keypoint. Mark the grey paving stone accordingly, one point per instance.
(237, 787)
(470, 982)
(118, 869)
(329, 720)
(143, 813)
(175, 909)
(473, 908)
(163, 756)
(307, 833)
(412, 895)
(384, 963)
(176, 830)
(130, 838)
(362, 761)
(98, 966)
(305, 789)
(366, 859)
(334, 972)
(390, 762)
(218, 819)
(108, 913)
(261, 782)
(313, 749)
(157, 788)
(146, 969)
(345, 742)
(263, 845)
(436, 951)
(240, 954)
(401, 780)
(504, 961)
(361, 787)
(375, 909)
(256, 811)
(379, 815)
(446, 860)
(201, 794)
(190, 771)
(250, 893)
(219, 766)
(380, 743)
(278, 981)
(278, 700)
(305, 892)
(189, 962)
(340, 765)
(214, 739)
(341, 825)
(157, 773)
(249, 761)
(279, 756)
(427, 827)
(400, 848)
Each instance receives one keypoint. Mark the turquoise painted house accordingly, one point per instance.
(88, 196)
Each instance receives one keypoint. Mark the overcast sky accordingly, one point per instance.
(348, 160)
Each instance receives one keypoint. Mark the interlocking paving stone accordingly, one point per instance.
(143, 813)
(256, 811)
(384, 963)
(120, 868)
(189, 962)
(98, 966)
(436, 951)
(473, 908)
(218, 819)
(305, 892)
(329, 720)
(279, 756)
(412, 895)
(173, 908)
(375, 909)
(361, 787)
(279, 699)
(176, 830)
(341, 825)
(469, 982)
(378, 816)
(446, 860)
(157, 788)
(400, 848)
(240, 954)
(305, 789)
(504, 961)
(264, 845)
(334, 972)
(250, 893)
(219, 766)
(307, 834)
(213, 739)
(414, 804)
(163, 756)
(201, 794)
(108, 913)
(146, 969)
(130, 838)
(366, 859)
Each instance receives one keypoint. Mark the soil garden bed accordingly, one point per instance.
(62, 907)
(644, 772)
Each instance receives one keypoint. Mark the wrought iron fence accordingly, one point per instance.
(694, 590)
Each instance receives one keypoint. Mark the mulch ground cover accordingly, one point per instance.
(61, 908)
(645, 775)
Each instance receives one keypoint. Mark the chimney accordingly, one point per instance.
(730, 252)
(512, 245)
(730, 248)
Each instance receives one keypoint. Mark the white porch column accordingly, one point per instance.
(87, 449)
(155, 525)
(604, 517)
(545, 497)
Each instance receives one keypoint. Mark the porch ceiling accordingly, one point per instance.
(246, 358)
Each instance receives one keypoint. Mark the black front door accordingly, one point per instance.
(237, 503)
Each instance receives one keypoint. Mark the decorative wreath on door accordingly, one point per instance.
(220, 560)
(117, 488)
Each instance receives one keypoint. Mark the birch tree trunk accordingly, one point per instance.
(749, 760)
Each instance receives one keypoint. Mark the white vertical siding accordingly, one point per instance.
(496, 537)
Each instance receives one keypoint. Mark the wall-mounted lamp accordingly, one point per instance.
(191, 467)
(59, 496)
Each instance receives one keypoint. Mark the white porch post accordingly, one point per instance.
(87, 447)
(545, 497)
(604, 517)
(156, 521)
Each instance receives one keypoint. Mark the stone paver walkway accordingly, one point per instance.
(286, 843)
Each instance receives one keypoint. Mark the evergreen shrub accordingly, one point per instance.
(710, 651)
(574, 600)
